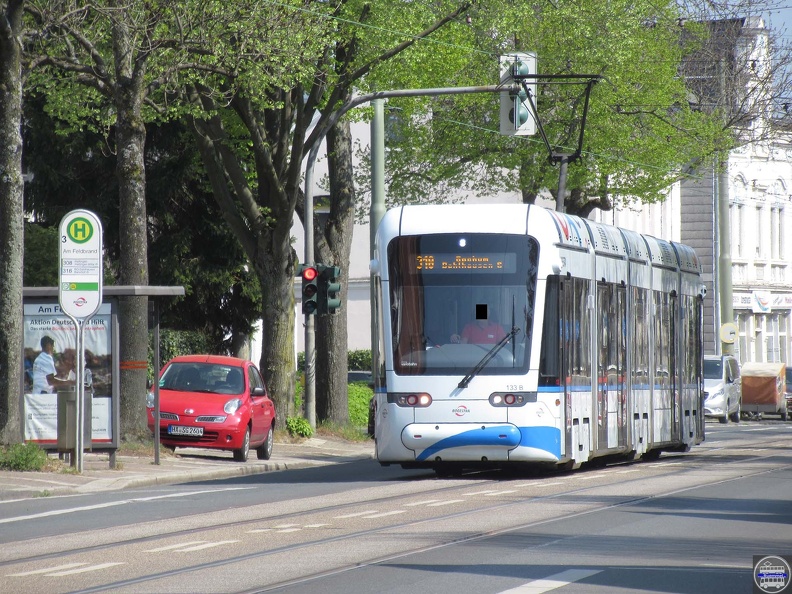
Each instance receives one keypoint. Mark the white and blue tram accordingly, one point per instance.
(599, 356)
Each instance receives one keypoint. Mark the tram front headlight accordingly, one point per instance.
(501, 399)
(412, 400)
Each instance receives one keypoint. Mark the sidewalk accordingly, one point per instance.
(187, 465)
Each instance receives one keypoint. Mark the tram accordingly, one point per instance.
(512, 334)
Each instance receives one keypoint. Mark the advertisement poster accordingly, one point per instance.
(50, 340)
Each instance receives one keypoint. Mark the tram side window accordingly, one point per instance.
(641, 319)
(552, 330)
(663, 339)
(692, 352)
(581, 359)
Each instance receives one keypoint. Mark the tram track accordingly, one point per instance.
(568, 490)
(450, 517)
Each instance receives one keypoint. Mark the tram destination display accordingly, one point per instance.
(449, 263)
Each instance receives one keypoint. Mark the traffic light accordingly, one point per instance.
(310, 288)
(515, 113)
(329, 289)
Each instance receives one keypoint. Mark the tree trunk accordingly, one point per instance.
(11, 222)
(277, 363)
(133, 237)
(333, 245)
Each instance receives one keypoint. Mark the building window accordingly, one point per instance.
(775, 233)
(783, 337)
(736, 214)
(759, 245)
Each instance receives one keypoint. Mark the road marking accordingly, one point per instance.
(72, 510)
(85, 569)
(481, 492)
(287, 530)
(316, 525)
(257, 530)
(553, 582)
(496, 493)
(207, 545)
(383, 514)
(449, 502)
(548, 484)
(174, 546)
(284, 526)
(417, 503)
(39, 571)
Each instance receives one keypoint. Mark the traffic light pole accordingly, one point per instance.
(310, 334)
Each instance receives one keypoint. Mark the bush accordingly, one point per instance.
(359, 360)
(359, 396)
(23, 456)
(298, 427)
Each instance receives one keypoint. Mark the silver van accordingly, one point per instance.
(722, 388)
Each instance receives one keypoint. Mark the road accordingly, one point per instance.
(687, 523)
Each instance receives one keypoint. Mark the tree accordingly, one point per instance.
(640, 136)
(189, 243)
(273, 126)
(11, 221)
(106, 47)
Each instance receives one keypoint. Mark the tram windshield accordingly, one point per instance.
(454, 296)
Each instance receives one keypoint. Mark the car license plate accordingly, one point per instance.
(180, 430)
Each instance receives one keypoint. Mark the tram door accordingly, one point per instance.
(611, 362)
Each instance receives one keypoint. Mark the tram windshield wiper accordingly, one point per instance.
(487, 358)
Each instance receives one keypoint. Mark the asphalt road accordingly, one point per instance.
(687, 523)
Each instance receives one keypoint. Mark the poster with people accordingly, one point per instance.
(50, 360)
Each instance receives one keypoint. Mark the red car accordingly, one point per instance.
(215, 402)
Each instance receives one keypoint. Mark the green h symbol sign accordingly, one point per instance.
(80, 230)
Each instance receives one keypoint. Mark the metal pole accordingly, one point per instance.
(562, 183)
(79, 444)
(310, 336)
(156, 384)
(724, 254)
(377, 210)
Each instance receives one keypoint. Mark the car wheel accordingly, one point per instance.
(735, 416)
(784, 415)
(241, 455)
(264, 451)
(725, 418)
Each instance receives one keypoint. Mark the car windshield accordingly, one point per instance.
(203, 377)
(713, 369)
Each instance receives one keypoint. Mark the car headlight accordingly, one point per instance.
(232, 406)
(150, 400)
(716, 395)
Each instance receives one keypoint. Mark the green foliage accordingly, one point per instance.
(298, 427)
(359, 360)
(41, 256)
(23, 457)
(359, 396)
(641, 133)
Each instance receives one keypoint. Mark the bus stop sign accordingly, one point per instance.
(80, 270)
